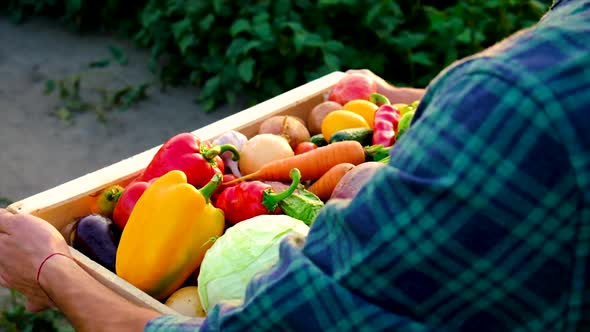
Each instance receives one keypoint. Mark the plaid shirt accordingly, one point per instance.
(480, 222)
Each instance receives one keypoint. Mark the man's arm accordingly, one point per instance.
(89, 305)
(395, 94)
(25, 242)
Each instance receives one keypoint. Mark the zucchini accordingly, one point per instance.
(361, 135)
(318, 140)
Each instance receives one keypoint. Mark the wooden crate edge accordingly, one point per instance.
(119, 285)
(130, 167)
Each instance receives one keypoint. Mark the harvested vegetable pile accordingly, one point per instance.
(205, 216)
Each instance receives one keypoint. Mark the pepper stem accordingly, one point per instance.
(377, 152)
(211, 239)
(210, 187)
(214, 151)
(379, 99)
(114, 193)
(385, 160)
(271, 200)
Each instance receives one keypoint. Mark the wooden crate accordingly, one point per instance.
(63, 204)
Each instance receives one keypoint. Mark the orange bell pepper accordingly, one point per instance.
(170, 229)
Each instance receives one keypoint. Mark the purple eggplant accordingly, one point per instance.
(96, 237)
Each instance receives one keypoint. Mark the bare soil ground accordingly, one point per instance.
(38, 150)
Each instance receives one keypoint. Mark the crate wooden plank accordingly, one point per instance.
(119, 285)
(63, 204)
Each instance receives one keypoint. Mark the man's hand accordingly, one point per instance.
(394, 94)
(382, 85)
(25, 241)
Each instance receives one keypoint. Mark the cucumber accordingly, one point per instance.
(361, 135)
(318, 140)
(404, 124)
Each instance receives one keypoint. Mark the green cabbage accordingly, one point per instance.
(249, 247)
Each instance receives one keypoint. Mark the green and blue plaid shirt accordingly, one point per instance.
(480, 222)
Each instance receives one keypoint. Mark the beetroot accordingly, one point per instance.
(354, 180)
(351, 87)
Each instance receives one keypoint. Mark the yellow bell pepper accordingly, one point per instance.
(339, 120)
(170, 228)
(364, 108)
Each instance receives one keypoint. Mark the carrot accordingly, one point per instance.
(312, 164)
(324, 186)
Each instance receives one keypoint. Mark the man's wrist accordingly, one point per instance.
(406, 95)
(89, 305)
(44, 261)
(54, 268)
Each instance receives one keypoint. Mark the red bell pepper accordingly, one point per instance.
(249, 199)
(127, 201)
(221, 188)
(185, 152)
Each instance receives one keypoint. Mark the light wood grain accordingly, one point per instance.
(65, 203)
(120, 286)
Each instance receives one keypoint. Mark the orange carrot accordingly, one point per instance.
(324, 186)
(312, 164)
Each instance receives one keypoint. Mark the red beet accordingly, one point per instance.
(354, 180)
(351, 87)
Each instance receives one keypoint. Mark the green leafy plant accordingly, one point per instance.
(4, 202)
(80, 14)
(258, 49)
(266, 47)
(98, 99)
(15, 318)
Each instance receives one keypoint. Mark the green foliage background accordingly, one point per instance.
(265, 47)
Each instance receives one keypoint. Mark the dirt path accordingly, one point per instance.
(38, 150)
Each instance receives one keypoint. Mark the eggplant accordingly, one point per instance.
(96, 237)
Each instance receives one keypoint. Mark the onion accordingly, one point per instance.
(262, 149)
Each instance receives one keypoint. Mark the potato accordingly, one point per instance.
(298, 119)
(186, 302)
(290, 127)
(67, 231)
(317, 115)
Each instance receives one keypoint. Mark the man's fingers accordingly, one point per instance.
(360, 71)
(5, 220)
(5, 214)
(35, 307)
(3, 283)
